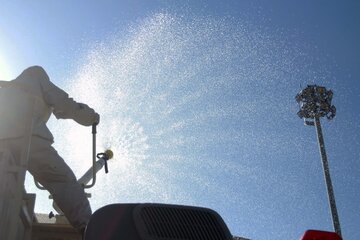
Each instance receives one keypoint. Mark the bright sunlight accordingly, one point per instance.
(5, 72)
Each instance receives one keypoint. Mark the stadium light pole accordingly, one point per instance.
(315, 102)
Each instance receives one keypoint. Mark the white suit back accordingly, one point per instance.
(21, 104)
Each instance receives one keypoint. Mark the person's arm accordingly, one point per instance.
(67, 108)
(63, 106)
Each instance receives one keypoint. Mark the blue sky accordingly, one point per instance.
(197, 102)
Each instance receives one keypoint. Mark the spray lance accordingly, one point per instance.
(99, 164)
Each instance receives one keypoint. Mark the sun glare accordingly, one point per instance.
(5, 72)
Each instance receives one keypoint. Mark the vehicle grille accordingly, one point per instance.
(165, 222)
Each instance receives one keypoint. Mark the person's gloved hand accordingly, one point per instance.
(97, 119)
(85, 115)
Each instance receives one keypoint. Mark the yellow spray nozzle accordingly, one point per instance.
(109, 153)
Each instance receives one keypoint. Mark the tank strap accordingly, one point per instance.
(20, 86)
(10, 84)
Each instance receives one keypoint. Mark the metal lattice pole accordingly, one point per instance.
(315, 102)
(329, 187)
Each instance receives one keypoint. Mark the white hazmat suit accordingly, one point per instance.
(47, 167)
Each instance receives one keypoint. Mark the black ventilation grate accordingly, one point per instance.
(165, 222)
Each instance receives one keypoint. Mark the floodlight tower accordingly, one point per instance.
(315, 102)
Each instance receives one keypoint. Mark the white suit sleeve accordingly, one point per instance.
(65, 107)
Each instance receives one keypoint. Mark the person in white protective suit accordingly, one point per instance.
(44, 163)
